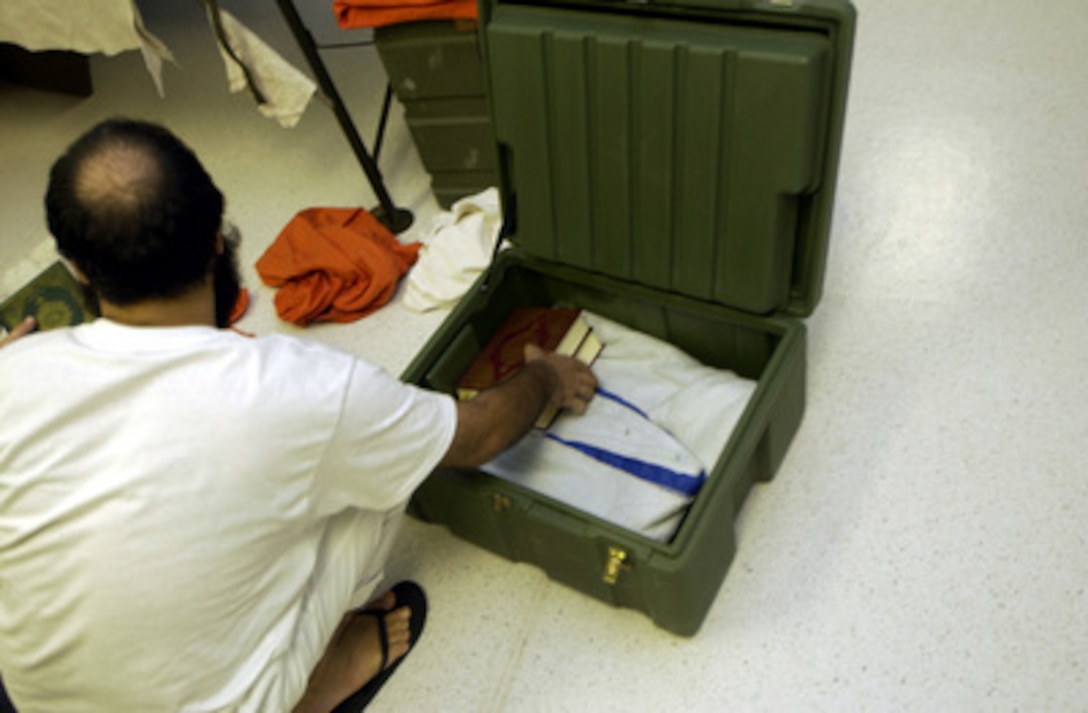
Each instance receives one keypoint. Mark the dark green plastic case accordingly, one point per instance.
(437, 73)
(672, 167)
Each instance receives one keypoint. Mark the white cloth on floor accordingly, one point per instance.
(455, 252)
(695, 406)
(286, 91)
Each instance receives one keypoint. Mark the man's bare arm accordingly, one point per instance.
(24, 328)
(502, 415)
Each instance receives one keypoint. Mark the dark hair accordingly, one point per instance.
(132, 207)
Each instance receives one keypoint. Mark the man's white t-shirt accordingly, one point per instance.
(164, 495)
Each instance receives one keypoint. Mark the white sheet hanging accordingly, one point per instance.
(86, 26)
(115, 26)
(286, 91)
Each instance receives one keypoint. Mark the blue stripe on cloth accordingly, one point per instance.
(621, 401)
(680, 482)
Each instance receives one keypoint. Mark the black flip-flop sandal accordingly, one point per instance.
(407, 594)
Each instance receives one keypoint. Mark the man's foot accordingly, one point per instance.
(358, 653)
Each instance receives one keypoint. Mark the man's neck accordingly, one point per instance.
(193, 308)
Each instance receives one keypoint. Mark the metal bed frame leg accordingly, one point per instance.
(396, 219)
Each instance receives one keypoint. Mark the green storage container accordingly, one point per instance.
(437, 73)
(449, 186)
(437, 58)
(458, 142)
(671, 167)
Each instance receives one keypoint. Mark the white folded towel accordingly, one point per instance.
(676, 417)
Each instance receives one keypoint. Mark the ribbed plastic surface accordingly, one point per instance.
(688, 156)
(427, 60)
(438, 75)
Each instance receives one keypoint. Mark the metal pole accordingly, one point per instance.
(396, 219)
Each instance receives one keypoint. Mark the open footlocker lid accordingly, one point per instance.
(689, 146)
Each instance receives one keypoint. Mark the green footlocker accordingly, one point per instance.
(671, 167)
(437, 73)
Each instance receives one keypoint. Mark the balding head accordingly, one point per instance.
(118, 178)
(134, 209)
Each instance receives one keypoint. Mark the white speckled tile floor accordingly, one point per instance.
(925, 544)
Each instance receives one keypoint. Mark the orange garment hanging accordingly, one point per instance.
(351, 14)
(334, 265)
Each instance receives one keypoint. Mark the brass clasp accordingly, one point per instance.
(617, 557)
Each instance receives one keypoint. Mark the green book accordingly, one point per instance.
(54, 298)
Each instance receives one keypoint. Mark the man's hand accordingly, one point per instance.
(575, 384)
(499, 416)
(24, 328)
